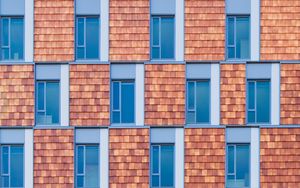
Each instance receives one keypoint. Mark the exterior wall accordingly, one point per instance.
(280, 33)
(129, 30)
(17, 95)
(89, 95)
(204, 157)
(129, 158)
(289, 96)
(204, 30)
(279, 157)
(54, 158)
(164, 94)
(233, 94)
(53, 30)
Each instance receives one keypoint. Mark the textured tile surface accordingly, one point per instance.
(233, 94)
(164, 94)
(89, 95)
(16, 95)
(129, 158)
(53, 158)
(204, 30)
(279, 158)
(53, 30)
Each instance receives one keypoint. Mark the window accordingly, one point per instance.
(162, 165)
(238, 159)
(87, 166)
(198, 100)
(12, 38)
(162, 37)
(12, 166)
(258, 101)
(87, 44)
(47, 107)
(238, 37)
(123, 101)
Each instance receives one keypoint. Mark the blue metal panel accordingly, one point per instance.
(12, 7)
(12, 136)
(163, 7)
(198, 71)
(119, 71)
(238, 6)
(87, 136)
(162, 135)
(48, 72)
(259, 71)
(238, 135)
(88, 7)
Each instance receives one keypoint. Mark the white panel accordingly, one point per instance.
(255, 30)
(28, 35)
(179, 31)
(104, 31)
(215, 94)
(64, 95)
(275, 94)
(139, 97)
(28, 161)
(179, 158)
(104, 159)
(254, 161)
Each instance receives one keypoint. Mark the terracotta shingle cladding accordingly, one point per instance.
(279, 157)
(280, 30)
(89, 95)
(204, 157)
(16, 95)
(204, 30)
(129, 158)
(164, 94)
(129, 30)
(53, 30)
(233, 94)
(54, 158)
(289, 95)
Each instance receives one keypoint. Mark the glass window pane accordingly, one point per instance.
(116, 117)
(155, 52)
(155, 181)
(80, 158)
(16, 38)
(80, 53)
(251, 116)
(5, 181)
(4, 158)
(251, 95)
(155, 159)
(16, 166)
(52, 103)
(230, 34)
(230, 159)
(5, 30)
(167, 38)
(40, 96)
(92, 166)
(167, 165)
(242, 165)
(155, 29)
(127, 107)
(191, 95)
(202, 108)
(231, 52)
(263, 101)
(79, 181)
(80, 31)
(116, 96)
(92, 38)
(5, 53)
(191, 117)
(242, 37)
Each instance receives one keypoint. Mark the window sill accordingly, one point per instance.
(54, 126)
(164, 61)
(89, 61)
(126, 125)
(14, 62)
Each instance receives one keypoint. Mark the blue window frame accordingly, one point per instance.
(162, 37)
(123, 101)
(47, 102)
(162, 165)
(258, 101)
(238, 37)
(198, 101)
(238, 166)
(12, 166)
(12, 38)
(87, 166)
(87, 33)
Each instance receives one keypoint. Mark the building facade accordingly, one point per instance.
(150, 93)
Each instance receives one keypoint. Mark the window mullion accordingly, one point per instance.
(120, 102)
(84, 37)
(159, 37)
(255, 102)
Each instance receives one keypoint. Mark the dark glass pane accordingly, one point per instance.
(80, 31)
(202, 101)
(80, 159)
(92, 166)
(41, 105)
(52, 103)
(167, 166)
(127, 107)
(263, 102)
(116, 117)
(5, 53)
(251, 116)
(155, 52)
(242, 164)
(230, 33)
(155, 29)
(230, 159)
(92, 38)
(191, 117)
(251, 95)
(4, 157)
(167, 38)
(116, 96)
(80, 53)
(16, 166)
(242, 37)
(5, 181)
(191, 95)
(231, 52)
(155, 159)
(80, 181)
(5, 30)
(155, 181)
(16, 38)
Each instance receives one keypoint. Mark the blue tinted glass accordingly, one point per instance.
(80, 52)
(16, 38)
(92, 38)
(16, 166)
(251, 94)
(155, 53)
(41, 105)
(231, 52)
(155, 29)
(52, 102)
(5, 181)
(80, 31)
(242, 37)
(92, 166)
(167, 165)
(263, 101)
(80, 159)
(230, 34)
(4, 158)
(202, 100)
(191, 95)
(116, 96)
(230, 159)
(155, 159)
(155, 181)
(251, 116)
(5, 31)
(167, 38)
(191, 117)
(79, 181)
(127, 107)
(242, 164)
(116, 117)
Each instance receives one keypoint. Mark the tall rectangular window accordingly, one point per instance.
(162, 37)
(47, 102)
(198, 101)
(12, 166)
(162, 165)
(87, 166)
(87, 42)
(238, 166)
(12, 38)
(123, 101)
(258, 101)
(238, 37)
